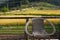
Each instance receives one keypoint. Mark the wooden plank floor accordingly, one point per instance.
(22, 37)
(11, 37)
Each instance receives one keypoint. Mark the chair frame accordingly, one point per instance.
(27, 24)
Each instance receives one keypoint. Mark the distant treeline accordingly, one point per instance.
(17, 3)
(55, 2)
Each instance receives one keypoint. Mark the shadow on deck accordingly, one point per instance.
(22, 37)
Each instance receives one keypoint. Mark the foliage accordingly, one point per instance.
(4, 9)
(55, 2)
(44, 3)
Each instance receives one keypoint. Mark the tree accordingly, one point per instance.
(4, 10)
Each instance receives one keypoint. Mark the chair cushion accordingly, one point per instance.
(40, 34)
(37, 25)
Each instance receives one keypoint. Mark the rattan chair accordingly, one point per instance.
(38, 28)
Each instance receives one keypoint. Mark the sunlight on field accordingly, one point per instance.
(55, 21)
(22, 21)
(31, 11)
(42, 12)
(34, 11)
(12, 21)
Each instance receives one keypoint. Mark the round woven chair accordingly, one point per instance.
(38, 30)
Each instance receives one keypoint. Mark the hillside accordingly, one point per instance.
(41, 4)
(30, 11)
(55, 2)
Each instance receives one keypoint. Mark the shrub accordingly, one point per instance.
(4, 9)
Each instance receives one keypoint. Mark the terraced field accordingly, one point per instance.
(23, 21)
(17, 26)
(31, 11)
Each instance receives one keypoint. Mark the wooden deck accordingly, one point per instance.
(12, 37)
(19, 37)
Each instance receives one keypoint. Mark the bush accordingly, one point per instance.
(24, 6)
(4, 9)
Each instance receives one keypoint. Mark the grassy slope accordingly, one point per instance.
(42, 8)
(30, 11)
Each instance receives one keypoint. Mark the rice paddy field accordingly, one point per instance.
(32, 11)
(23, 21)
(20, 29)
(17, 26)
(16, 29)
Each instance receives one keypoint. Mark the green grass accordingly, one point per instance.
(19, 29)
(12, 29)
(33, 11)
